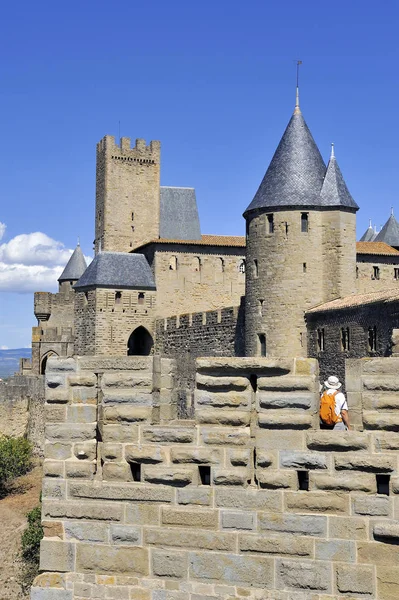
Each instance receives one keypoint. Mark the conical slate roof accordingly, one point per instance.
(369, 234)
(389, 233)
(334, 191)
(121, 270)
(75, 266)
(296, 172)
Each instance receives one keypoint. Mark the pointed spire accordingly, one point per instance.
(369, 234)
(332, 151)
(390, 232)
(392, 210)
(297, 110)
(75, 266)
(334, 191)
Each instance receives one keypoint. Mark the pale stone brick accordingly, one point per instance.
(111, 491)
(335, 550)
(237, 520)
(281, 420)
(231, 477)
(127, 414)
(221, 383)
(116, 472)
(218, 436)
(171, 434)
(231, 568)
(168, 475)
(297, 524)
(355, 580)
(120, 433)
(169, 564)
(235, 418)
(312, 575)
(39, 593)
(79, 469)
(190, 538)
(377, 553)
(122, 534)
(112, 452)
(239, 458)
(347, 528)
(200, 496)
(53, 468)
(57, 450)
(303, 460)
(374, 464)
(144, 454)
(338, 441)
(81, 413)
(53, 488)
(85, 450)
(56, 555)
(387, 530)
(86, 532)
(277, 479)
(190, 517)
(293, 546)
(286, 399)
(143, 514)
(387, 583)
(317, 502)
(373, 506)
(195, 455)
(111, 559)
(70, 432)
(103, 511)
(83, 379)
(347, 483)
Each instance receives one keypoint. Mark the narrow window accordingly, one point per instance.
(396, 273)
(241, 266)
(118, 297)
(132, 227)
(270, 223)
(85, 298)
(135, 469)
(383, 484)
(173, 263)
(132, 216)
(222, 265)
(345, 340)
(261, 307)
(320, 340)
(205, 474)
(304, 267)
(376, 273)
(357, 272)
(372, 339)
(141, 297)
(286, 228)
(197, 263)
(304, 222)
(253, 380)
(303, 480)
(256, 272)
(262, 344)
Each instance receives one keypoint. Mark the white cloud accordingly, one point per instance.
(31, 262)
(2, 229)
(3, 347)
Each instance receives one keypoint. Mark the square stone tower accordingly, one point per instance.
(127, 194)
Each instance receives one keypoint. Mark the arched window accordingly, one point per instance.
(221, 264)
(241, 266)
(173, 263)
(140, 298)
(45, 358)
(197, 263)
(140, 342)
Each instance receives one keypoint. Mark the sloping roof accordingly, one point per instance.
(369, 235)
(390, 232)
(179, 214)
(334, 191)
(357, 300)
(375, 248)
(117, 270)
(75, 266)
(206, 240)
(296, 172)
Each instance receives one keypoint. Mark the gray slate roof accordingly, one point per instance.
(334, 191)
(369, 235)
(389, 233)
(120, 270)
(179, 218)
(75, 266)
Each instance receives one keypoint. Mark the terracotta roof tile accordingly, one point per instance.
(206, 240)
(357, 300)
(375, 248)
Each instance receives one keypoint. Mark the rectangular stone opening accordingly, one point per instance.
(303, 480)
(205, 474)
(383, 484)
(135, 469)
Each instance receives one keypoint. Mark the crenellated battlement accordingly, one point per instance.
(124, 152)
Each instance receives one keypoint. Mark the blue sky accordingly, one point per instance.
(214, 81)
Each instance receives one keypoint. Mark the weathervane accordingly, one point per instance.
(297, 109)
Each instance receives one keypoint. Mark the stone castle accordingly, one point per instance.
(183, 455)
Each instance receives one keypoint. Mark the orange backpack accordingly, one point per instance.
(327, 409)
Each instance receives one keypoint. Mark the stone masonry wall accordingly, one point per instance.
(247, 500)
(365, 279)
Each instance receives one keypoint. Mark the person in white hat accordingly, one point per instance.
(332, 386)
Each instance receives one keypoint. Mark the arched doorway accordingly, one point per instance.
(45, 358)
(140, 342)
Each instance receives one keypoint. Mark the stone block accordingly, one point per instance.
(113, 471)
(364, 462)
(263, 458)
(292, 546)
(99, 511)
(169, 564)
(221, 383)
(80, 469)
(85, 450)
(168, 475)
(303, 460)
(195, 455)
(282, 420)
(123, 534)
(355, 579)
(238, 458)
(126, 380)
(317, 502)
(385, 441)
(53, 380)
(57, 450)
(237, 520)
(306, 366)
(380, 401)
(296, 575)
(51, 580)
(289, 383)
(372, 506)
(198, 496)
(238, 365)
(348, 528)
(218, 436)
(169, 435)
(53, 468)
(61, 365)
(70, 432)
(277, 479)
(380, 420)
(387, 531)
(95, 558)
(144, 454)
(118, 364)
(308, 525)
(112, 452)
(237, 476)
(286, 400)
(339, 441)
(190, 538)
(83, 379)
(83, 395)
(55, 413)
(376, 553)
(345, 483)
(86, 532)
(40, 593)
(111, 491)
(142, 514)
(335, 550)
(53, 529)
(274, 440)
(232, 568)
(53, 488)
(56, 555)
(249, 499)
(204, 519)
(234, 418)
(57, 396)
(127, 414)
(134, 398)
(384, 383)
(387, 583)
(222, 400)
(81, 413)
(120, 433)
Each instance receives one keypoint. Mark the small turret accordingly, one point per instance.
(74, 268)
(390, 232)
(369, 234)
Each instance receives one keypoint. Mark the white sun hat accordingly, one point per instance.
(333, 383)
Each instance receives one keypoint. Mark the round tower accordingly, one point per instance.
(301, 244)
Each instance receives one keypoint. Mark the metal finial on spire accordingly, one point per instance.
(78, 241)
(332, 151)
(392, 211)
(370, 225)
(297, 109)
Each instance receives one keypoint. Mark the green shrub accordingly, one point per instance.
(30, 549)
(15, 458)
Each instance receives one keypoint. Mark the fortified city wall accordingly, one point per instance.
(247, 500)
